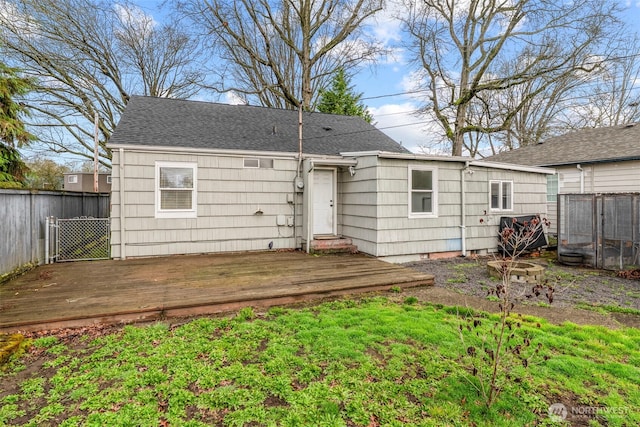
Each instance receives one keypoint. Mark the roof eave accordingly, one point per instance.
(193, 150)
(514, 167)
(406, 156)
(595, 161)
(459, 159)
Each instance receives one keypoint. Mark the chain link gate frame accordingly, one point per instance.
(77, 239)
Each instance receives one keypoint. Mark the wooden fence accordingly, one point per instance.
(22, 221)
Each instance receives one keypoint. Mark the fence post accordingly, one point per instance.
(46, 240)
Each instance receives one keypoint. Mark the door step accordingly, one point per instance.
(335, 245)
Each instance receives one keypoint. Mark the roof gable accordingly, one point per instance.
(610, 144)
(164, 122)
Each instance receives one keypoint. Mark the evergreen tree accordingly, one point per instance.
(341, 99)
(12, 128)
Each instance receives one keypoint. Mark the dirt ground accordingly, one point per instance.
(579, 293)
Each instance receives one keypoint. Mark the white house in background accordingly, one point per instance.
(602, 160)
(195, 177)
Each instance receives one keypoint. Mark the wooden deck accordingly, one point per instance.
(87, 293)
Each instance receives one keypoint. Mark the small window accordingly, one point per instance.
(251, 163)
(552, 188)
(108, 179)
(422, 192)
(501, 195)
(254, 163)
(72, 179)
(176, 194)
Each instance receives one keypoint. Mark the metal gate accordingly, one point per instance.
(77, 239)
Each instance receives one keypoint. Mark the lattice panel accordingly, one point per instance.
(83, 239)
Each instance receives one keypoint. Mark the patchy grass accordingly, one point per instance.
(459, 272)
(606, 308)
(344, 363)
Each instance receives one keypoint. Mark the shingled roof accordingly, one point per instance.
(608, 144)
(163, 122)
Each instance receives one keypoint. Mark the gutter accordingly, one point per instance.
(581, 178)
(591, 162)
(331, 162)
(459, 159)
(193, 150)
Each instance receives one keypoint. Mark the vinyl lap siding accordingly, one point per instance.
(357, 201)
(614, 177)
(229, 196)
(529, 198)
(395, 234)
(620, 177)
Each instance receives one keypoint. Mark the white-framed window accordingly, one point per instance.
(176, 190)
(255, 163)
(423, 192)
(109, 179)
(552, 188)
(72, 179)
(501, 195)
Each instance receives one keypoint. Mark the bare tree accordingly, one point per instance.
(458, 44)
(88, 57)
(282, 52)
(612, 97)
(529, 111)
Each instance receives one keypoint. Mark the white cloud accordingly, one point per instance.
(233, 98)
(135, 18)
(20, 24)
(386, 29)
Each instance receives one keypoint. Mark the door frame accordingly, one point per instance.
(334, 195)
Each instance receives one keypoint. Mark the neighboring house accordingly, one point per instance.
(196, 177)
(603, 160)
(83, 182)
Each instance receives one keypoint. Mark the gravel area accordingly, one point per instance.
(578, 292)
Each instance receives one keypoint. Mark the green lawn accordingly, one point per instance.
(345, 363)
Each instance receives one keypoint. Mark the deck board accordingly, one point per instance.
(112, 291)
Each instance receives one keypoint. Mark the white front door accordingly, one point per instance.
(323, 201)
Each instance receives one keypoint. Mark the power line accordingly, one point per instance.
(411, 92)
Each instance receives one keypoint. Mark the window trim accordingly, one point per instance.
(501, 183)
(72, 179)
(262, 163)
(250, 159)
(109, 179)
(176, 213)
(553, 180)
(434, 191)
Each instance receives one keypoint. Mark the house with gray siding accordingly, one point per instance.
(196, 177)
(599, 160)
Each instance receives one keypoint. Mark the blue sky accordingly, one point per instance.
(393, 114)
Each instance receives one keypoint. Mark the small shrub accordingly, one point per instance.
(494, 354)
(410, 300)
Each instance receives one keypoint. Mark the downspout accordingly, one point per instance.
(123, 255)
(463, 208)
(581, 178)
(299, 177)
